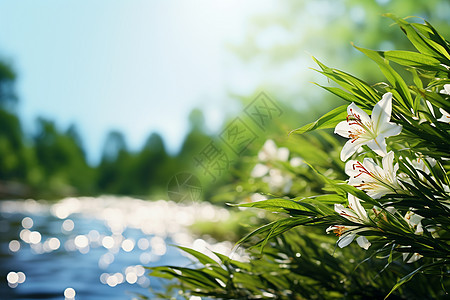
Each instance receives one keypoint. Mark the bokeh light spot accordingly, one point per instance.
(14, 245)
(68, 225)
(69, 293)
(108, 242)
(128, 245)
(27, 222)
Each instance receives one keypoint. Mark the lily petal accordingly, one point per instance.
(346, 239)
(350, 147)
(345, 212)
(390, 129)
(355, 204)
(445, 115)
(381, 113)
(388, 163)
(343, 129)
(446, 89)
(378, 145)
(350, 169)
(353, 110)
(363, 242)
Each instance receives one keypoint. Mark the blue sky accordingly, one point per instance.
(135, 66)
(140, 66)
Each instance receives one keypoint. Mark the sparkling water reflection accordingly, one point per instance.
(94, 248)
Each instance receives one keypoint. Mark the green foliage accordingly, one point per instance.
(302, 264)
(147, 172)
(53, 163)
(7, 78)
(398, 202)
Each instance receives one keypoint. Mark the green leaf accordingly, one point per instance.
(330, 199)
(422, 43)
(341, 93)
(202, 258)
(401, 89)
(280, 226)
(431, 33)
(329, 120)
(413, 59)
(360, 89)
(192, 276)
(281, 205)
(404, 280)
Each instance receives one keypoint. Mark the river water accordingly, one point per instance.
(95, 248)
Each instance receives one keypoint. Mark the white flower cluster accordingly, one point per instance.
(277, 179)
(376, 180)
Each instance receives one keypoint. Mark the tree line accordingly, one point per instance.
(51, 162)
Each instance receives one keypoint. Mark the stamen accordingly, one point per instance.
(354, 135)
(375, 211)
(346, 215)
(355, 119)
(362, 170)
(339, 230)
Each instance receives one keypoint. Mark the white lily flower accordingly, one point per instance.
(419, 163)
(445, 115)
(446, 89)
(347, 234)
(259, 170)
(414, 220)
(412, 258)
(365, 130)
(297, 162)
(369, 177)
(415, 257)
(355, 213)
(278, 181)
(270, 151)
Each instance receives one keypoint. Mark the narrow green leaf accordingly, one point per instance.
(341, 93)
(202, 258)
(329, 120)
(360, 89)
(403, 280)
(279, 205)
(391, 75)
(434, 35)
(413, 59)
(416, 39)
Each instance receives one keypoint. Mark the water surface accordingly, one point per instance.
(94, 248)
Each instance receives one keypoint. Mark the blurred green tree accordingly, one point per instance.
(62, 160)
(195, 140)
(152, 167)
(14, 163)
(7, 78)
(113, 168)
